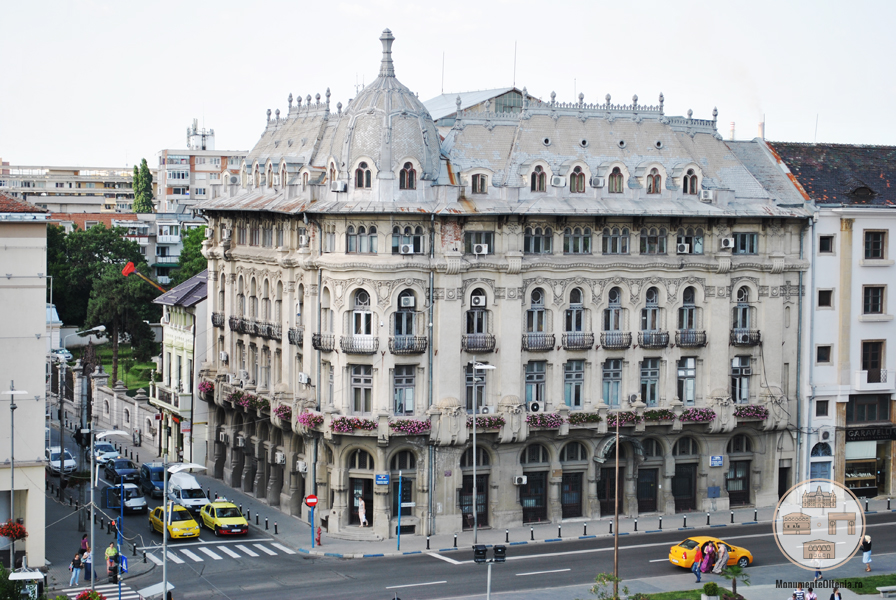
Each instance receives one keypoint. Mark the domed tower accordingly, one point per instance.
(389, 126)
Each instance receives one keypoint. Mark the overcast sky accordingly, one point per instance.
(104, 83)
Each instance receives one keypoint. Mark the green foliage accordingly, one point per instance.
(142, 188)
(711, 588)
(603, 587)
(9, 590)
(867, 585)
(734, 574)
(191, 261)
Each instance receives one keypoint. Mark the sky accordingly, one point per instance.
(106, 83)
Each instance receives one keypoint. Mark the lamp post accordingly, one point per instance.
(94, 473)
(477, 366)
(166, 512)
(616, 518)
(61, 395)
(12, 465)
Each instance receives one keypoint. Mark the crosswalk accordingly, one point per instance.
(179, 554)
(109, 590)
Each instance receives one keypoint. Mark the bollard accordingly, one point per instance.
(256, 518)
(732, 516)
(611, 527)
(755, 514)
(144, 557)
(70, 503)
(559, 535)
(208, 494)
(275, 529)
(685, 521)
(888, 504)
(109, 528)
(102, 523)
(94, 518)
(427, 542)
(455, 540)
(866, 504)
(265, 523)
(661, 523)
(248, 515)
(138, 457)
(506, 536)
(707, 518)
(636, 524)
(532, 533)
(135, 550)
(241, 509)
(77, 506)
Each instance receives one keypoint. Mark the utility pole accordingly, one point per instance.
(616, 519)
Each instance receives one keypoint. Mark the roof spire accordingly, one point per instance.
(386, 68)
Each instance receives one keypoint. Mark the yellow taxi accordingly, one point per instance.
(182, 523)
(682, 554)
(224, 518)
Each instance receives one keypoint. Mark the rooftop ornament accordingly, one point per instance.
(386, 67)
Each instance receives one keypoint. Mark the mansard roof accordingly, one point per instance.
(190, 293)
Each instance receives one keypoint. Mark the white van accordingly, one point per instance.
(183, 489)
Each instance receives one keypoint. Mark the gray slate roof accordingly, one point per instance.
(189, 293)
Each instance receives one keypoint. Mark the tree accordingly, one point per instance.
(142, 185)
(732, 574)
(123, 305)
(191, 261)
(9, 589)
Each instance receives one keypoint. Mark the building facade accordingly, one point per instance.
(71, 189)
(597, 261)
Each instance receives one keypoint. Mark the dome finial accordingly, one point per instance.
(386, 68)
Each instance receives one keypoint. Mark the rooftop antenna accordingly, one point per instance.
(514, 63)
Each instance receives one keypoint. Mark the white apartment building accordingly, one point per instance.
(70, 189)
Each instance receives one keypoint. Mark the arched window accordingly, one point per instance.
(482, 459)
(127, 417)
(653, 240)
(650, 314)
(362, 176)
(652, 448)
(742, 310)
(538, 179)
(613, 312)
(407, 179)
(304, 181)
(351, 239)
(654, 181)
(404, 316)
(477, 316)
(577, 240)
(480, 184)
(105, 407)
(615, 181)
(690, 241)
(689, 183)
(615, 240)
(362, 317)
(535, 316)
(403, 461)
(534, 454)
(408, 240)
(686, 447)
(538, 241)
(253, 300)
(269, 176)
(739, 444)
(572, 452)
(687, 314)
(360, 460)
(266, 301)
(575, 314)
(283, 181)
(577, 181)
(332, 172)
(822, 449)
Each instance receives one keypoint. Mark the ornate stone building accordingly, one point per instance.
(605, 259)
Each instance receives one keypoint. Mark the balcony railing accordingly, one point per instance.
(653, 339)
(234, 323)
(690, 338)
(577, 340)
(407, 344)
(478, 342)
(359, 344)
(296, 335)
(874, 380)
(538, 342)
(615, 340)
(745, 337)
(324, 342)
(218, 319)
(168, 397)
(275, 332)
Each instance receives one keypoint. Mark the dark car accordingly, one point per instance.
(151, 479)
(121, 470)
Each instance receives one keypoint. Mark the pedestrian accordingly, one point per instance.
(75, 568)
(810, 595)
(362, 512)
(835, 595)
(817, 564)
(709, 553)
(799, 594)
(111, 557)
(866, 552)
(722, 560)
(87, 566)
(695, 566)
(85, 543)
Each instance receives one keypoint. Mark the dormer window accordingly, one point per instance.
(615, 183)
(480, 184)
(304, 181)
(577, 181)
(654, 181)
(362, 176)
(407, 179)
(538, 179)
(332, 173)
(689, 184)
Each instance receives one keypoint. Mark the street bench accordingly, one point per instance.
(887, 590)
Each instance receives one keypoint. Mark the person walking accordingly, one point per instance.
(722, 560)
(362, 512)
(810, 595)
(87, 565)
(835, 595)
(695, 566)
(799, 594)
(85, 543)
(111, 557)
(75, 568)
(866, 552)
(709, 554)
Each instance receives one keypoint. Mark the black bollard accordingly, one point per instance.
(611, 527)
(707, 518)
(241, 509)
(427, 542)
(532, 533)
(256, 518)
(755, 515)
(888, 504)
(275, 529)
(94, 518)
(636, 524)
(559, 535)
(732, 516)
(585, 532)
(265, 523)
(248, 515)
(135, 550)
(144, 557)
(685, 521)
(506, 536)
(866, 504)
(661, 523)
(208, 494)
(455, 540)
(138, 457)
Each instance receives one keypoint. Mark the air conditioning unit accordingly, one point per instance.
(223, 356)
(706, 195)
(746, 371)
(533, 407)
(226, 233)
(727, 242)
(301, 466)
(478, 300)
(338, 186)
(519, 480)
(234, 179)
(598, 182)
(304, 379)
(240, 442)
(406, 249)
(406, 302)
(683, 248)
(244, 375)
(488, 410)
(222, 437)
(279, 458)
(825, 435)
(209, 233)
(480, 248)
(558, 181)
(303, 240)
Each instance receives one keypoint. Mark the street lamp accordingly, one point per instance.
(166, 512)
(12, 393)
(477, 366)
(94, 473)
(61, 395)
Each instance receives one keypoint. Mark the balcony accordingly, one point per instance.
(218, 319)
(577, 341)
(653, 339)
(234, 322)
(359, 344)
(323, 341)
(478, 342)
(275, 332)
(874, 380)
(689, 338)
(538, 342)
(615, 340)
(296, 336)
(167, 239)
(407, 344)
(745, 337)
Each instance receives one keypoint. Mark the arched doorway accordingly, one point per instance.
(737, 482)
(534, 493)
(648, 476)
(684, 484)
(820, 467)
(606, 484)
(483, 469)
(360, 482)
(574, 459)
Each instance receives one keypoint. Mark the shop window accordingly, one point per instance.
(867, 409)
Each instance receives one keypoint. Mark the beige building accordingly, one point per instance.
(71, 189)
(23, 291)
(608, 260)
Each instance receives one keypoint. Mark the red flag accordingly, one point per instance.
(128, 269)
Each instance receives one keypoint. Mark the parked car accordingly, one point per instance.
(151, 479)
(682, 554)
(134, 500)
(184, 490)
(117, 470)
(61, 353)
(182, 523)
(104, 451)
(53, 454)
(224, 518)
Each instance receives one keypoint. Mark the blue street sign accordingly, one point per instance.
(716, 461)
(382, 479)
(124, 563)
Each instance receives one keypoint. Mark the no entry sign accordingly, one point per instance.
(311, 501)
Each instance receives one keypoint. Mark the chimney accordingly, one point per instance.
(762, 130)
(731, 135)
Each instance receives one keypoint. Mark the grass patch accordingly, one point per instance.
(684, 594)
(133, 373)
(869, 584)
